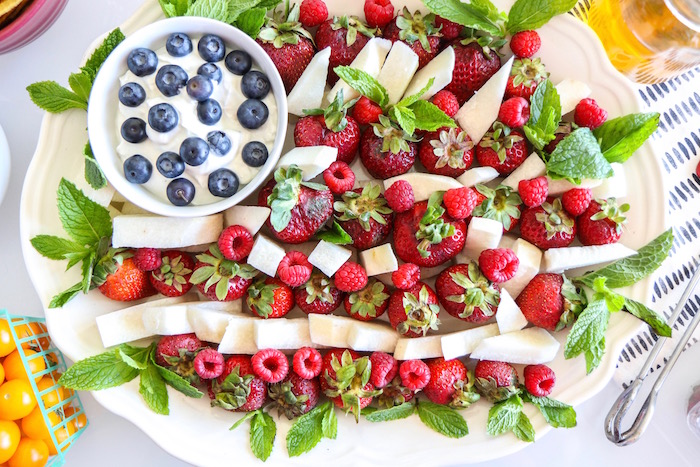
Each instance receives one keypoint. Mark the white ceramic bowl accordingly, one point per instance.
(103, 111)
(4, 164)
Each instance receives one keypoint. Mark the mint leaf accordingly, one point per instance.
(442, 419)
(557, 414)
(335, 234)
(479, 14)
(412, 99)
(307, 431)
(93, 172)
(56, 248)
(102, 371)
(269, 4)
(57, 301)
(620, 137)
(428, 117)
(363, 83)
(533, 14)
(84, 220)
(135, 357)
(649, 316)
(81, 84)
(398, 412)
(578, 156)
(54, 98)
(262, 435)
(588, 330)
(632, 269)
(329, 423)
(153, 390)
(101, 53)
(405, 118)
(179, 383)
(594, 355)
(215, 9)
(545, 114)
(175, 7)
(504, 415)
(240, 421)
(251, 21)
(523, 429)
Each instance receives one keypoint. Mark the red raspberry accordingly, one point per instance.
(378, 13)
(399, 196)
(539, 380)
(270, 365)
(366, 112)
(339, 177)
(576, 200)
(307, 362)
(449, 29)
(533, 192)
(525, 44)
(235, 242)
(415, 374)
(406, 276)
(309, 131)
(589, 114)
(294, 269)
(147, 259)
(384, 368)
(447, 102)
(209, 363)
(459, 202)
(498, 264)
(351, 277)
(312, 13)
(514, 112)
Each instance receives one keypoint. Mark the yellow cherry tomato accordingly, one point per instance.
(16, 399)
(2, 374)
(33, 329)
(30, 453)
(80, 421)
(34, 426)
(15, 370)
(9, 439)
(62, 433)
(54, 396)
(7, 345)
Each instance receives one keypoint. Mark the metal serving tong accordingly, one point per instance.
(617, 412)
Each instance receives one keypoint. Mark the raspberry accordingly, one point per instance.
(366, 111)
(312, 13)
(498, 264)
(576, 200)
(235, 242)
(459, 202)
(415, 374)
(525, 44)
(147, 259)
(339, 177)
(307, 362)
(406, 276)
(514, 112)
(270, 365)
(209, 363)
(351, 277)
(399, 196)
(589, 114)
(447, 102)
(539, 380)
(384, 368)
(378, 13)
(294, 269)
(533, 192)
(449, 29)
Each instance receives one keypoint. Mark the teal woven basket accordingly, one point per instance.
(67, 412)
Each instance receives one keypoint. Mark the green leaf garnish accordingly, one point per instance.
(442, 419)
(106, 370)
(545, 114)
(152, 389)
(557, 414)
(620, 137)
(398, 412)
(308, 430)
(54, 98)
(262, 434)
(578, 156)
(587, 335)
(478, 14)
(533, 14)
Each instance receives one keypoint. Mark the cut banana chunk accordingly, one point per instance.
(423, 184)
(398, 70)
(529, 257)
(482, 234)
(209, 322)
(312, 160)
(440, 69)
(477, 175)
(532, 167)
(308, 91)
(562, 259)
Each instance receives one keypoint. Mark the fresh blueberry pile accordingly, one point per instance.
(171, 80)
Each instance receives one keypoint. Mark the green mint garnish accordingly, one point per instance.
(54, 98)
(93, 172)
(578, 156)
(262, 432)
(481, 15)
(529, 14)
(442, 419)
(335, 234)
(398, 412)
(308, 430)
(545, 113)
(587, 335)
(620, 137)
(557, 414)
(507, 416)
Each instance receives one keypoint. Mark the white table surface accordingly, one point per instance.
(113, 441)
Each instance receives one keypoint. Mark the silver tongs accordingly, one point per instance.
(617, 412)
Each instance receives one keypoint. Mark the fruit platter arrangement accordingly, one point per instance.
(451, 239)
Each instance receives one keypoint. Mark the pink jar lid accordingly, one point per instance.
(30, 24)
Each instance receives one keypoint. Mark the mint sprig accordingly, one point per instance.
(442, 419)
(397, 412)
(545, 114)
(478, 14)
(533, 14)
(173, 8)
(587, 335)
(93, 172)
(335, 234)
(556, 413)
(620, 137)
(263, 431)
(308, 430)
(578, 156)
(649, 316)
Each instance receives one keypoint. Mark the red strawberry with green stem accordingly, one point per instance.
(415, 311)
(601, 223)
(475, 63)
(270, 298)
(345, 380)
(238, 388)
(394, 394)
(501, 204)
(525, 75)
(496, 381)
(319, 295)
(447, 151)
(123, 281)
(172, 278)
(548, 226)
(346, 36)
(551, 301)
(365, 216)
(467, 294)
(386, 150)
(418, 31)
(295, 396)
(369, 303)
(221, 279)
(177, 353)
(502, 148)
(450, 383)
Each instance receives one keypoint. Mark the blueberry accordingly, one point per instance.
(223, 183)
(169, 80)
(238, 62)
(132, 94)
(163, 117)
(199, 88)
(180, 192)
(142, 61)
(137, 169)
(210, 71)
(194, 151)
(211, 48)
(255, 85)
(170, 164)
(134, 130)
(252, 114)
(219, 142)
(178, 44)
(209, 112)
(255, 154)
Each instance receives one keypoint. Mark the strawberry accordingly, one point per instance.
(414, 312)
(393, 394)
(501, 204)
(369, 303)
(448, 29)
(366, 111)
(172, 278)
(125, 282)
(299, 209)
(503, 148)
(318, 295)
(345, 380)
(601, 223)
(447, 151)
(524, 77)
(474, 65)
(221, 279)
(386, 150)
(365, 216)
(450, 383)
(560, 133)
(551, 301)
(548, 226)
(270, 298)
(418, 32)
(288, 44)
(346, 36)
(238, 388)
(425, 235)
(467, 294)
(177, 353)
(496, 381)
(295, 395)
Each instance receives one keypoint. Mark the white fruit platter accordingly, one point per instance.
(198, 433)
